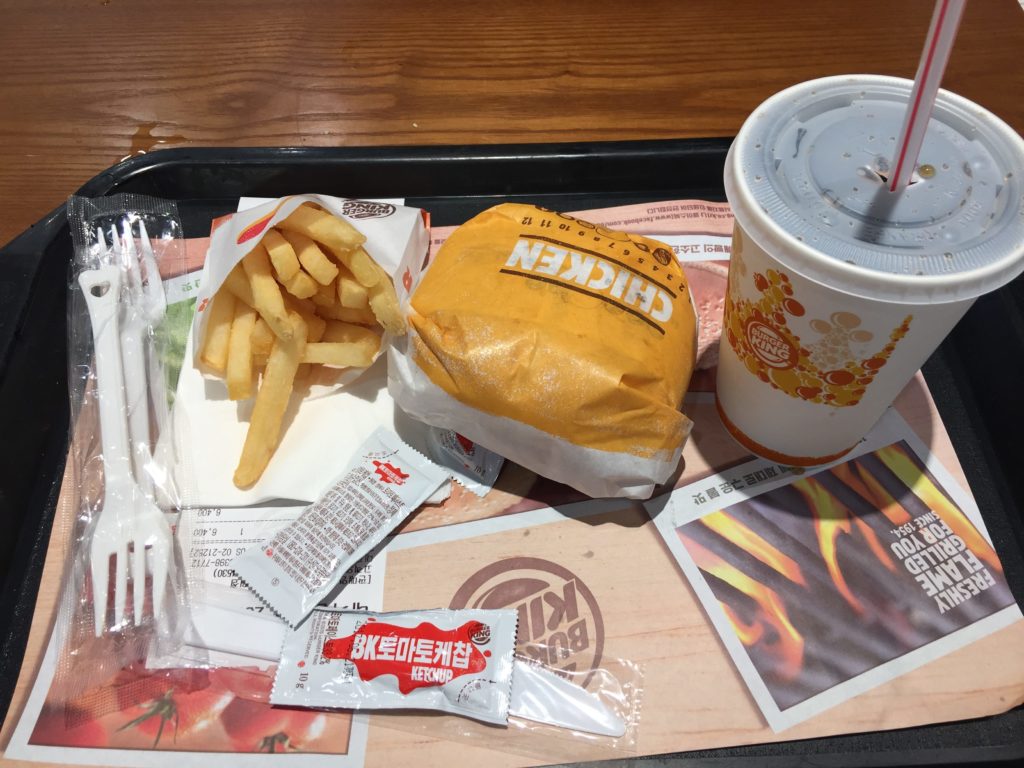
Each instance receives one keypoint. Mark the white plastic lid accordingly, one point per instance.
(806, 178)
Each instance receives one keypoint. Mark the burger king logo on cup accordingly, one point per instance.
(560, 623)
(770, 346)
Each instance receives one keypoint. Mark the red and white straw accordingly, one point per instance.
(934, 57)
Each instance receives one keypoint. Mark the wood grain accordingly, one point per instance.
(89, 82)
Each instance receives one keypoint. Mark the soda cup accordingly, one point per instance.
(838, 288)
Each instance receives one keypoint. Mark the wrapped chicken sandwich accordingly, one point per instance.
(559, 344)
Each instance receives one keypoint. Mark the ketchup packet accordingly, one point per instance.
(473, 466)
(297, 568)
(445, 660)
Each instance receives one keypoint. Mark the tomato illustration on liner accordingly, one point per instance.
(52, 728)
(183, 712)
(255, 726)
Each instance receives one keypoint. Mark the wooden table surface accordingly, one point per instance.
(86, 83)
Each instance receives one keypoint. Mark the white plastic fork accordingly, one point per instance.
(128, 518)
(154, 308)
(133, 358)
(112, 531)
(145, 306)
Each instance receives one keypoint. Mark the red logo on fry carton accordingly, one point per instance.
(389, 473)
(418, 657)
(257, 227)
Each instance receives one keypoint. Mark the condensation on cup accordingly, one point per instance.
(838, 289)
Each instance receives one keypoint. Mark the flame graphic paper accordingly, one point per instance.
(832, 580)
(769, 627)
(721, 523)
(899, 461)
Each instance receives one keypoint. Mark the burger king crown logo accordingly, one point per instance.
(824, 370)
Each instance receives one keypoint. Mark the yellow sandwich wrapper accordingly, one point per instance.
(559, 344)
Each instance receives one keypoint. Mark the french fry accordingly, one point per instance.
(347, 333)
(304, 302)
(337, 234)
(338, 354)
(313, 260)
(301, 286)
(271, 403)
(382, 275)
(302, 306)
(303, 374)
(238, 284)
(362, 266)
(262, 341)
(239, 364)
(315, 326)
(360, 316)
(384, 304)
(343, 345)
(351, 293)
(282, 256)
(218, 331)
(326, 296)
(266, 293)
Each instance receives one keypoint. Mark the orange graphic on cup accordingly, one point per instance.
(825, 370)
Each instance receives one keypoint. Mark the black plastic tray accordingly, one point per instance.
(974, 376)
